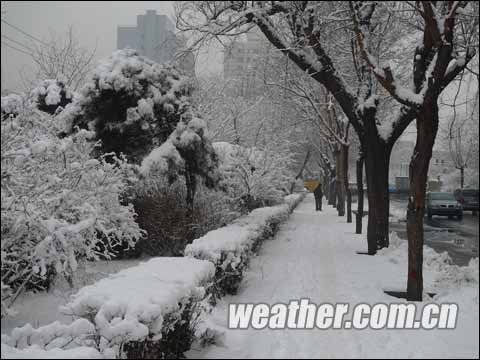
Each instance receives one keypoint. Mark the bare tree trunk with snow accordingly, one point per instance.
(358, 227)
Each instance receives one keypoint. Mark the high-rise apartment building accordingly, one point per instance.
(154, 37)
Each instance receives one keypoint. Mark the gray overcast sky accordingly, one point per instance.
(93, 22)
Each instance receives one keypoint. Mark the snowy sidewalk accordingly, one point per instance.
(313, 256)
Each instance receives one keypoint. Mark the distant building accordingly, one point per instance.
(154, 37)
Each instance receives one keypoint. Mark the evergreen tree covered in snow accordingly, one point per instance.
(132, 103)
(51, 96)
(189, 152)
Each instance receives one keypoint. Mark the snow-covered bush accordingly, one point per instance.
(147, 311)
(51, 96)
(52, 336)
(170, 225)
(57, 202)
(229, 248)
(188, 152)
(132, 103)
(12, 105)
(252, 176)
(36, 352)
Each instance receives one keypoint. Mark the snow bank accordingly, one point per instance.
(142, 303)
(438, 267)
(230, 247)
(36, 352)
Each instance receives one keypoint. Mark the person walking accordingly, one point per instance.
(318, 197)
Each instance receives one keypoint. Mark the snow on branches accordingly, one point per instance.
(132, 103)
(58, 203)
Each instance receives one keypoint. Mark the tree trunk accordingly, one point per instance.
(462, 177)
(332, 194)
(427, 127)
(339, 179)
(191, 184)
(358, 228)
(377, 160)
(345, 181)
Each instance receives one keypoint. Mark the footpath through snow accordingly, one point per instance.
(314, 256)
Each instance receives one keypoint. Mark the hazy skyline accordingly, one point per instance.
(94, 23)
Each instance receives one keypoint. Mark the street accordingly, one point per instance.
(459, 238)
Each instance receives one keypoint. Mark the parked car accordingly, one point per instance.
(445, 204)
(468, 198)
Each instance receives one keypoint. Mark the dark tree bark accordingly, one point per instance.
(462, 177)
(339, 181)
(427, 127)
(358, 227)
(377, 161)
(348, 192)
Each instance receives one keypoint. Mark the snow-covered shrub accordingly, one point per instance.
(51, 96)
(169, 223)
(132, 103)
(187, 152)
(252, 176)
(36, 352)
(57, 201)
(229, 248)
(52, 336)
(147, 311)
(12, 105)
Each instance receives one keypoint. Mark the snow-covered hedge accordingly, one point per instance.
(52, 336)
(36, 352)
(231, 247)
(148, 310)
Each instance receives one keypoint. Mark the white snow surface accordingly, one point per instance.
(132, 304)
(314, 256)
(239, 237)
(36, 352)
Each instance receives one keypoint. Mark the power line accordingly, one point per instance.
(23, 32)
(17, 42)
(14, 48)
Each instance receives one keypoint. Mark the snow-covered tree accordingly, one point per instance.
(58, 204)
(254, 177)
(51, 96)
(132, 103)
(188, 152)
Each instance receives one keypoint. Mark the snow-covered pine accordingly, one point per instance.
(132, 103)
(51, 96)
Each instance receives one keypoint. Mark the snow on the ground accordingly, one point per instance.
(314, 256)
(41, 308)
(35, 352)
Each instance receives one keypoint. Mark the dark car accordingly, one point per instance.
(445, 204)
(468, 198)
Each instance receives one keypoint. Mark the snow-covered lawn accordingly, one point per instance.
(314, 256)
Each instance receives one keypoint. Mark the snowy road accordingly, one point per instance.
(313, 256)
